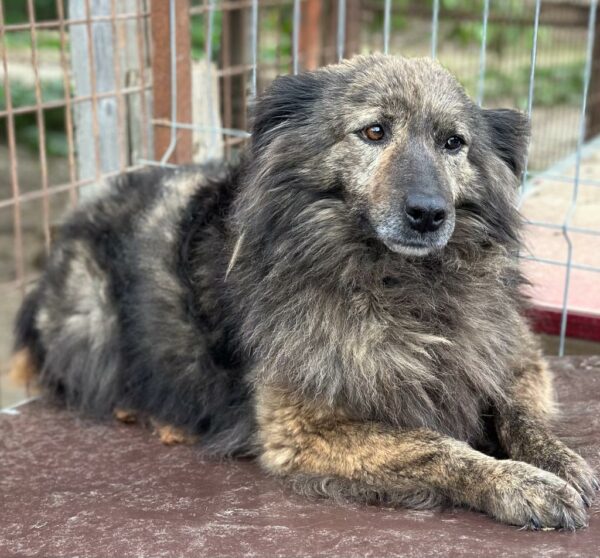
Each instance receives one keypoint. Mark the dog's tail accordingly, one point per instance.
(28, 352)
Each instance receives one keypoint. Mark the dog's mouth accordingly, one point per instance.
(402, 240)
(418, 249)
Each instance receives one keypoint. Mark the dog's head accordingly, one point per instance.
(399, 140)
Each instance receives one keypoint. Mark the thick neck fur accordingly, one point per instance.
(330, 313)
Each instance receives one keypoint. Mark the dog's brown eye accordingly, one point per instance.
(454, 143)
(374, 133)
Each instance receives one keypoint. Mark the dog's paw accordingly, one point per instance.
(574, 469)
(172, 435)
(529, 497)
(125, 415)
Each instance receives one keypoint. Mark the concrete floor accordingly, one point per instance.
(76, 487)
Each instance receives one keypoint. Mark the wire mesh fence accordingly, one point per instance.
(93, 88)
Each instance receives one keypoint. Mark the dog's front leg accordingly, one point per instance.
(325, 452)
(523, 427)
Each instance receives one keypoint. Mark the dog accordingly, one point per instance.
(344, 303)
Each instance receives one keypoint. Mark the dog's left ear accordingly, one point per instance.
(509, 131)
(289, 99)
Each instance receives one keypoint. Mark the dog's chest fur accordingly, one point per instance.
(423, 347)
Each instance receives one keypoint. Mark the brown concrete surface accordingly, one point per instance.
(73, 487)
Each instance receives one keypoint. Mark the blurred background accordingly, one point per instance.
(91, 88)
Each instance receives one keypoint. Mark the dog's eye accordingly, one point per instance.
(373, 133)
(454, 143)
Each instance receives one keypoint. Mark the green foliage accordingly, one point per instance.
(23, 94)
(277, 29)
(399, 19)
(198, 29)
(559, 85)
(26, 126)
(15, 11)
(499, 35)
(22, 40)
(554, 85)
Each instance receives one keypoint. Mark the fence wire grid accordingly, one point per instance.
(93, 88)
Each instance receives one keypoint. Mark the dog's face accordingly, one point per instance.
(399, 138)
(404, 153)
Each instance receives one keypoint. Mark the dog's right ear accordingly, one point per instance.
(510, 131)
(288, 100)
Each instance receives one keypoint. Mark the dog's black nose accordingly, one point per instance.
(425, 213)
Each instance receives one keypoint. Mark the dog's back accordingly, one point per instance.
(129, 313)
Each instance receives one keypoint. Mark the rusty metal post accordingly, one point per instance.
(593, 116)
(329, 26)
(235, 55)
(310, 34)
(162, 72)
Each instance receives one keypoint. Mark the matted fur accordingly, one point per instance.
(269, 309)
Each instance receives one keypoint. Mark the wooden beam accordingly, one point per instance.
(593, 108)
(353, 27)
(162, 77)
(96, 121)
(235, 52)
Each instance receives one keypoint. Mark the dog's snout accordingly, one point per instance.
(425, 213)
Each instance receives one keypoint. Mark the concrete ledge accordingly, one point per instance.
(73, 487)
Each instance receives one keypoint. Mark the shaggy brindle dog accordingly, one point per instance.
(344, 304)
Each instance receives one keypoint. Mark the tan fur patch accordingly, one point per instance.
(125, 415)
(381, 185)
(297, 437)
(172, 435)
(415, 467)
(23, 371)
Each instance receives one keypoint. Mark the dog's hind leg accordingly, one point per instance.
(523, 427)
(324, 452)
